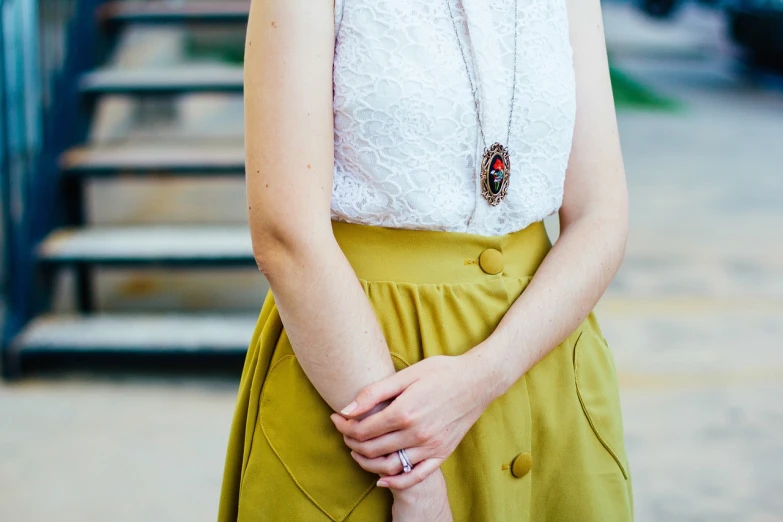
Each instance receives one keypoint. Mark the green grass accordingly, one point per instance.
(228, 54)
(226, 50)
(630, 94)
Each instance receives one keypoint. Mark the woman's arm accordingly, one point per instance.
(445, 395)
(289, 142)
(593, 220)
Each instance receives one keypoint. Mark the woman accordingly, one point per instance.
(401, 156)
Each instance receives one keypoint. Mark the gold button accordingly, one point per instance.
(491, 261)
(521, 465)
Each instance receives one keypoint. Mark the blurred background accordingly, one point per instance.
(129, 291)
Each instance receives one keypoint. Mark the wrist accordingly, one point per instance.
(494, 371)
(431, 486)
(409, 495)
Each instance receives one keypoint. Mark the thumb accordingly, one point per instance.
(378, 392)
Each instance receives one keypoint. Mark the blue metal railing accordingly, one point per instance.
(4, 161)
(45, 45)
(21, 143)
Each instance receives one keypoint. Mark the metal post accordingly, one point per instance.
(21, 143)
(4, 191)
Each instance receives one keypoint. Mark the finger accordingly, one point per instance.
(386, 465)
(351, 428)
(391, 419)
(342, 424)
(405, 480)
(378, 392)
(379, 447)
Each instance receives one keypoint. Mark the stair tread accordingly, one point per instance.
(153, 11)
(184, 78)
(159, 158)
(150, 332)
(152, 243)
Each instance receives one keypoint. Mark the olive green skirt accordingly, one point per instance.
(550, 449)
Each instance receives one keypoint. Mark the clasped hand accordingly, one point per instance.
(433, 404)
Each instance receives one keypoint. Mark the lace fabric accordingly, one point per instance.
(406, 140)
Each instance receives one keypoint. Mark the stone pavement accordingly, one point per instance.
(695, 315)
(141, 450)
(695, 319)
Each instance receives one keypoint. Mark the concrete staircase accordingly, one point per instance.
(84, 316)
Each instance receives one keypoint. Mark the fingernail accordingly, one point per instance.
(348, 409)
(353, 455)
(382, 484)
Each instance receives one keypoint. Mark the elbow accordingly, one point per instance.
(281, 249)
(609, 229)
(271, 249)
(622, 217)
(607, 224)
(617, 219)
(622, 245)
(268, 256)
(614, 226)
(610, 221)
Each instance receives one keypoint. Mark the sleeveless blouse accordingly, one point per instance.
(407, 145)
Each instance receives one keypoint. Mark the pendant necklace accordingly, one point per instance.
(496, 164)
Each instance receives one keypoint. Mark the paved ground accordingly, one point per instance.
(696, 314)
(695, 318)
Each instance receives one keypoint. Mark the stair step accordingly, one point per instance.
(150, 334)
(168, 12)
(175, 80)
(207, 245)
(191, 159)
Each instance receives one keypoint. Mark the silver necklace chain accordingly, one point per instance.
(470, 79)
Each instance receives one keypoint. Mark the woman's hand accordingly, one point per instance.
(435, 402)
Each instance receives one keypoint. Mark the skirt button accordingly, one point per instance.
(491, 261)
(521, 465)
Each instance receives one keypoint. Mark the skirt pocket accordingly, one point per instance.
(295, 422)
(598, 391)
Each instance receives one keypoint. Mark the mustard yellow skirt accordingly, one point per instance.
(551, 449)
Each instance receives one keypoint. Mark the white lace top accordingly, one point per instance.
(406, 141)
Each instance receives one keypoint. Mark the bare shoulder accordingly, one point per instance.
(292, 25)
(289, 54)
(585, 20)
(595, 176)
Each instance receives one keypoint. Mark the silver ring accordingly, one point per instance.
(407, 467)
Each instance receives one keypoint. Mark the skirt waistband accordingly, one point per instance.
(435, 257)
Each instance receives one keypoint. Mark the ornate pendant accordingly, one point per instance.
(495, 169)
